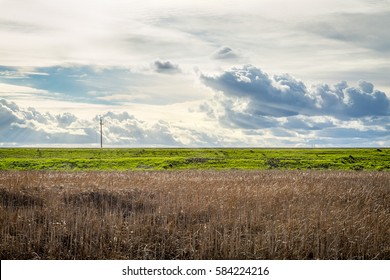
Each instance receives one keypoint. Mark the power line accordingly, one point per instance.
(101, 132)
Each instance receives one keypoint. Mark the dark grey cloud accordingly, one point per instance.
(265, 97)
(360, 103)
(166, 67)
(284, 95)
(225, 53)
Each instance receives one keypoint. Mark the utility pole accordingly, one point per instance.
(101, 132)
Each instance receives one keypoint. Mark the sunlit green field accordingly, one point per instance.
(62, 159)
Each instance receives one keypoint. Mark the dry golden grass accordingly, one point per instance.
(195, 215)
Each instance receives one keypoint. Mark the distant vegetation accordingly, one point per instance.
(174, 159)
(195, 214)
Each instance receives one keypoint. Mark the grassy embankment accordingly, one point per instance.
(172, 159)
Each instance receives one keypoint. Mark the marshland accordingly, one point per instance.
(195, 214)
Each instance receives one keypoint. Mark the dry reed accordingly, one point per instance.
(195, 215)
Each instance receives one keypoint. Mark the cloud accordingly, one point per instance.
(302, 123)
(283, 95)
(7, 113)
(267, 96)
(30, 127)
(293, 113)
(360, 103)
(235, 127)
(64, 120)
(166, 67)
(361, 29)
(125, 129)
(225, 53)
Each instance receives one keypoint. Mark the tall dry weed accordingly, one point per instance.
(195, 215)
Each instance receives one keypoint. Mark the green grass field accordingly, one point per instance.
(61, 159)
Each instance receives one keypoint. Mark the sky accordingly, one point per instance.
(170, 73)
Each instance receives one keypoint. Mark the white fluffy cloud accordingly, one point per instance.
(30, 127)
